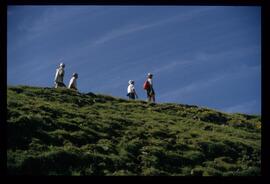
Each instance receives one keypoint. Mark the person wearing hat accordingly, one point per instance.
(73, 82)
(150, 91)
(131, 93)
(59, 76)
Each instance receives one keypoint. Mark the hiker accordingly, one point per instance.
(148, 86)
(59, 76)
(73, 82)
(131, 90)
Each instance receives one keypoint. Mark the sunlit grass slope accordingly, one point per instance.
(61, 132)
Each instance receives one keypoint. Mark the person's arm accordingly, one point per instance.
(136, 94)
(75, 84)
(56, 75)
(151, 89)
(70, 83)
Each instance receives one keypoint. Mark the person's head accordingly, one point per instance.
(131, 82)
(149, 75)
(62, 65)
(75, 75)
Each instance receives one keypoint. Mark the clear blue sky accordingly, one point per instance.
(208, 56)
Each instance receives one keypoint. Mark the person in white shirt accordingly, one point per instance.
(59, 76)
(73, 82)
(131, 93)
(150, 91)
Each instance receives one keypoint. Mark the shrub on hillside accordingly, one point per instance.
(213, 117)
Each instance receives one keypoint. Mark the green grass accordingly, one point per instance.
(62, 132)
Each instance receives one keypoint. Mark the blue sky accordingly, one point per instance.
(208, 56)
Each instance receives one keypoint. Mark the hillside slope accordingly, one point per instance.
(61, 132)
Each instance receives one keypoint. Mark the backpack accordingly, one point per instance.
(146, 85)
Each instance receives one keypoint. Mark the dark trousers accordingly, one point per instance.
(131, 95)
(59, 84)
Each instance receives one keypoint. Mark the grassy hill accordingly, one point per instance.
(62, 132)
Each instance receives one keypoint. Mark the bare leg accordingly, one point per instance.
(154, 99)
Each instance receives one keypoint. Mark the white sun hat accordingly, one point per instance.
(62, 65)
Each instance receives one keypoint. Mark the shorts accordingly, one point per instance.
(150, 92)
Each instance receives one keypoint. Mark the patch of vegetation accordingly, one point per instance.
(63, 132)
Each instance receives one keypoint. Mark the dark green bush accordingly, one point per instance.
(213, 117)
(217, 149)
